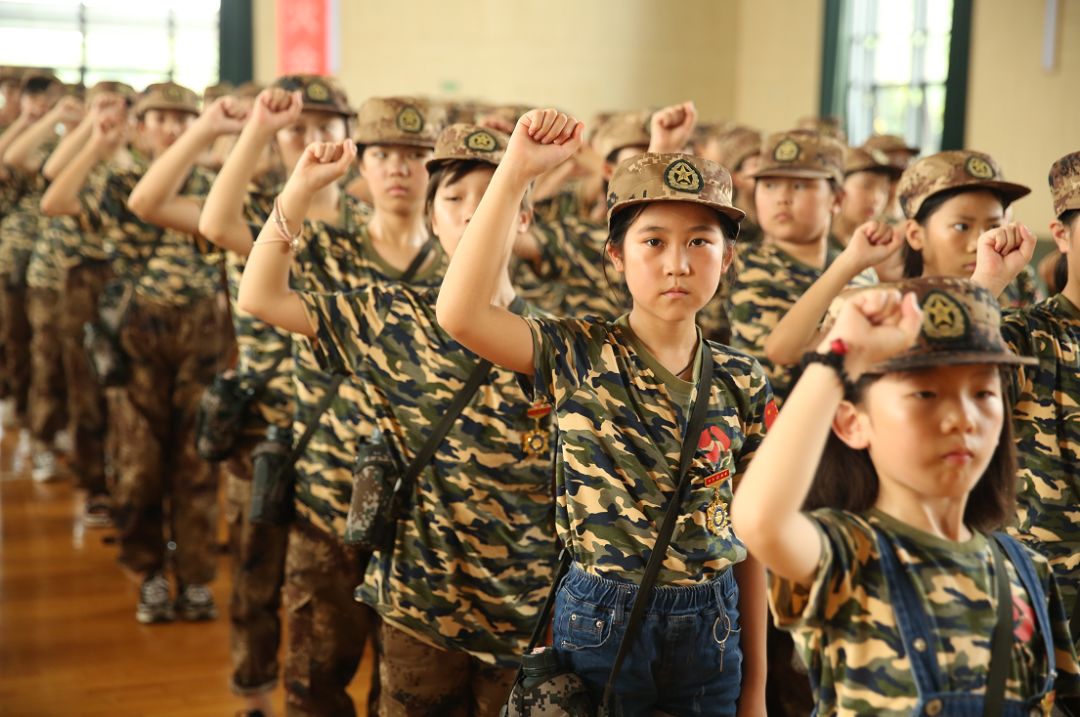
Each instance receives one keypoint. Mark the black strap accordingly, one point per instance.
(438, 433)
(694, 428)
(418, 261)
(312, 426)
(1001, 649)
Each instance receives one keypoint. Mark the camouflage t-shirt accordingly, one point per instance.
(621, 418)
(336, 259)
(845, 628)
(46, 270)
(1023, 291)
(768, 282)
(1046, 423)
(20, 229)
(12, 187)
(473, 561)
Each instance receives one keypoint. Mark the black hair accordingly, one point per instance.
(913, 260)
(451, 171)
(1059, 277)
(621, 221)
(847, 480)
(38, 85)
(1069, 216)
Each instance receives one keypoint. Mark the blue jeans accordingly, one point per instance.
(686, 659)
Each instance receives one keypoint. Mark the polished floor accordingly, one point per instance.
(69, 643)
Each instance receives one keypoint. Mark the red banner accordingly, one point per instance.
(303, 37)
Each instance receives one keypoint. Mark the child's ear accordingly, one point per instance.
(849, 425)
(1061, 236)
(525, 220)
(615, 254)
(915, 234)
(838, 200)
(608, 171)
(729, 256)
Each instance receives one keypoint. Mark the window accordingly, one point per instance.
(897, 67)
(135, 42)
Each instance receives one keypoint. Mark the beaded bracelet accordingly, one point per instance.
(282, 225)
(834, 359)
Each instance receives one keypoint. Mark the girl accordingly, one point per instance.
(622, 392)
(867, 178)
(950, 199)
(459, 590)
(893, 588)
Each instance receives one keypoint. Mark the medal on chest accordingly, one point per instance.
(536, 441)
(716, 516)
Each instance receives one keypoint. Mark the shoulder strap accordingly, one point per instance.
(313, 424)
(418, 261)
(690, 443)
(438, 433)
(1001, 648)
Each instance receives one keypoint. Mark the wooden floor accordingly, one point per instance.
(69, 643)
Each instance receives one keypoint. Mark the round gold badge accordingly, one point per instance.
(943, 317)
(481, 141)
(787, 151)
(682, 176)
(410, 120)
(979, 168)
(173, 93)
(318, 92)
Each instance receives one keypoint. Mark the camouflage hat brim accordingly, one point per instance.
(1009, 191)
(432, 164)
(952, 358)
(731, 212)
(144, 107)
(794, 172)
(891, 170)
(361, 144)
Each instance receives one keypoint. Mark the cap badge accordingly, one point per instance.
(317, 92)
(979, 168)
(410, 120)
(682, 176)
(786, 151)
(481, 141)
(172, 93)
(943, 317)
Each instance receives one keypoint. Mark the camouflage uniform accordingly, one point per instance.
(11, 188)
(1046, 416)
(1022, 291)
(44, 280)
(326, 638)
(846, 627)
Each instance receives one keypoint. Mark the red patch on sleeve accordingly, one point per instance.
(771, 412)
(1023, 620)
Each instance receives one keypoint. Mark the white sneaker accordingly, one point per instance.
(9, 417)
(62, 442)
(45, 467)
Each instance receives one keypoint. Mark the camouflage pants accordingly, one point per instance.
(326, 627)
(48, 394)
(173, 353)
(16, 340)
(420, 680)
(258, 568)
(86, 397)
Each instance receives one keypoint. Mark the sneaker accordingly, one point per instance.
(154, 604)
(45, 466)
(98, 512)
(196, 603)
(9, 416)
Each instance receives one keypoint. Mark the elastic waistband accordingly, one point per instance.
(666, 599)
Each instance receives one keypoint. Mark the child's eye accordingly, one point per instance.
(452, 199)
(653, 241)
(700, 241)
(924, 395)
(961, 226)
(986, 393)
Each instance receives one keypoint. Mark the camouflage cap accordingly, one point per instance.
(652, 177)
(214, 92)
(737, 145)
(802, 153)
(625, 129)
(126, 91)
(889, 143)
(399, 120)
(961, 325)
(861, 159)
(827, 126)
(468, 142)
(247, 90)
(10, 73)
(954, 169)
(1065, 183)
(319, 92)
(167, 96)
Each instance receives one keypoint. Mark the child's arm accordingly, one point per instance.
(222, 219)
(264, 287)
(156, 199)
(767, 510)
(9, 135)
(73, 141)
(62, 196)
(753, 623)
(542, 140)
(670, 128)
(1001, 254)
(22, 153)
(797, 332)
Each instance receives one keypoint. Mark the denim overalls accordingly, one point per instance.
(916, 634)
